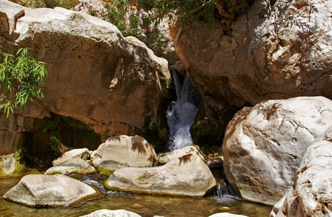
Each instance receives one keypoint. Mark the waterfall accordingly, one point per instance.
(181, 113)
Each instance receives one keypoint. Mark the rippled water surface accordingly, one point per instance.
(145, 205)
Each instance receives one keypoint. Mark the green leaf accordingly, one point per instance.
(22, 76)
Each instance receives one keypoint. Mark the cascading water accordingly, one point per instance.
(181, 113)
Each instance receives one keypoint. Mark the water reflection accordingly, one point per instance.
(145, 205)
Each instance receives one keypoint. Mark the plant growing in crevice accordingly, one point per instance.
(22, 77)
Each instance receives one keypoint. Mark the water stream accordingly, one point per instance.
(181, 113)
(145, 205)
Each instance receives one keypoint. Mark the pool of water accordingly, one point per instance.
(145, 205)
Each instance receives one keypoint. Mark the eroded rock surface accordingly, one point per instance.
(169, 156)
(185, 176)
(94, 73)
(48, 190)
(123, 151)
(269, 52)
(311, 193)
(264, 145)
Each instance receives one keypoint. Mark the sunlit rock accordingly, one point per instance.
(169, 156)
(264, 144)
(7, 163)
(311, 193)
(10, 165)
(226, 214)
(275, 49)
(95, 75)
(73, 161)
(81, 153)
(48, 190)
(112, 213)
(123, 151)
(184, 176)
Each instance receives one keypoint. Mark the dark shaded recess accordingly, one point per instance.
(41, 147)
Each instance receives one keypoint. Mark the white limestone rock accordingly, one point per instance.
(185, 176)
(123, 151)
(81, 153)
(48, 190)
(112, 213)
(264, 145)
(73, 161)
(311, 193)
(169, 156)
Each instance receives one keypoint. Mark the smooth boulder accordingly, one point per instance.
(123, 151)
(311, 193)
(187, 175)
(73, 161)
(48, 190)
(112, 213)
(264, 145)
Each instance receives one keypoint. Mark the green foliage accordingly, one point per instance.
(68, 4)
(22, 77)
(59, 122)
(54, 143)
(135, 23)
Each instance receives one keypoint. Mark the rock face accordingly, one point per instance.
(264, 145)
(93, 71)
(112, 213)
(311, 193)
(123, 151)
(48, 190)
(185, 176)
(270, 52)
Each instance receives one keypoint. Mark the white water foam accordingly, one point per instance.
(181, 113)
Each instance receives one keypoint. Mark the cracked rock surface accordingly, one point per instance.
(264, 144)
(311, 193)
(276, 49)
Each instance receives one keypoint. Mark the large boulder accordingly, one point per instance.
(185, 176)
(94, 72)
(311, 193)
(275, 49)
(112, 213)
(48, 190)
(264, 144)
(123, 151)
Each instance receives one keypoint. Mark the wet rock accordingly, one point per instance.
(184, 176)
(123, 151)
(169, 156)
(311, 193)
(48, 190)
(112, 213)
(264, 145)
